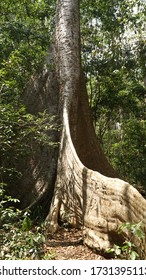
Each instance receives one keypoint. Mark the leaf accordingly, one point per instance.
(26, 224)
(133, 255)
(124, 248)
(140, 233)
(118, 251)
(129, 244)
(110, 250)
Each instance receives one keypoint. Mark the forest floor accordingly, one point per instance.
(67, 244)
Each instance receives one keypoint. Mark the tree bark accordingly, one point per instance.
(87, 192)
(39, 168)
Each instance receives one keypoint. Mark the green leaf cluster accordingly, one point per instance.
(128, 249)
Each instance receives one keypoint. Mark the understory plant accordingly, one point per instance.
(128, 250)
(19, 237)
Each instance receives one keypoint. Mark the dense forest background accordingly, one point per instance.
(114, 56)
(113, 48)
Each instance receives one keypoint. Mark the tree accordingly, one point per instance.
(86, 190)
(84, 196)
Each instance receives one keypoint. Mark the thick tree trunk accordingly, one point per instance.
(40, 169)
(87, 193)
(84, 197)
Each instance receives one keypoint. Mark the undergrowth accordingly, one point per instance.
(128, 250)
(20, 238)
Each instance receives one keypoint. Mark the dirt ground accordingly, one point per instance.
(67, 244)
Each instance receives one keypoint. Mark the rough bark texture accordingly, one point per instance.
(39, 170)
(84, 197)
(87, 193)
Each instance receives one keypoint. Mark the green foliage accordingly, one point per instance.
(26, 223)
(113, 55)
(18, 133)
(25, 35)
(19, 237)
(129, 151)
(26, 27)
(7, 213)
(128, 249)
(18, 244)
